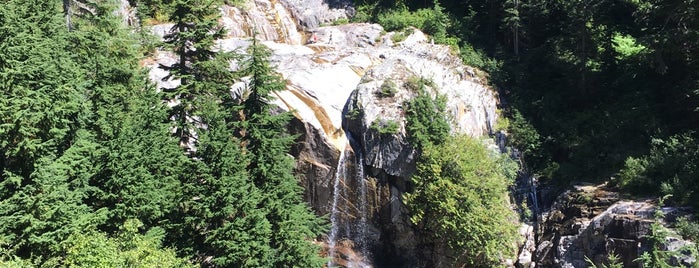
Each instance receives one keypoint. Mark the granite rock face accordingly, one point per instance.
(341, 70)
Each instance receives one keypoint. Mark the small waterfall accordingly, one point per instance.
(334, 213)
(348, 240)
(362, 226)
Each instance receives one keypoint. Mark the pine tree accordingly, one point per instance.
(192, 40)
(271, 168)
(44, 157)
(237, 231)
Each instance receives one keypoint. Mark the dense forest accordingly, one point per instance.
(93, 176)
(100, 169)
(594, 90)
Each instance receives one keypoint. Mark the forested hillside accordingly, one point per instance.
(100, 168)
(594, 89)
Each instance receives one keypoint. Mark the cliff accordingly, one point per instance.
(333, 74)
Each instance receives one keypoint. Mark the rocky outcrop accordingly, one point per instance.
(312, 13)
(471, 106)
(341, 71)
(593, 222)
(268, 20)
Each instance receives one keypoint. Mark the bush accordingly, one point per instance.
(671, 167)
(687, 229)
(477, 58)
(363, 14)
(341, 21)
(388, 89)
(353, 114)
(460, 199)
(425, 117)
(385, 127)
(416, 84)
(396, 20)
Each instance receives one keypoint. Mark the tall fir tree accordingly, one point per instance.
(192, 40)
(267, 143)
(44, 157)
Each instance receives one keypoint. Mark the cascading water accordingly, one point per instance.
(334, 213)
(348, 239)
(362, 225)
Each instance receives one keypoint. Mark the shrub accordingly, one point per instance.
(687, 229)
(426, 122)
(363, 14)
(460, 199)
(416, 83)
(671, 167)
(396, 20)
(398, 37)
(388, 89)
(353, 114)
(385, 127)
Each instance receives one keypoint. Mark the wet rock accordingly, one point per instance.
(330, 89)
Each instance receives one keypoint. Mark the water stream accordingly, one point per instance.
(348, 239)
(340, 172)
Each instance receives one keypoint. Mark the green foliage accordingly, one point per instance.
(153, 11)
(503, 123)
(460, 200)
(293, 224)
(354, 114)
(417, 84)
(613, 261)
(388, 89)
(523, 135)
(400, 36)
(400, 19)
(477, 58)
(670, 164)
(657, 256)
(341, 21)
(626, 46)
(91, 248)
(192, 39)
(436, 25)
(363, 13)
(385, 127)
(425, 119)
(687, 228)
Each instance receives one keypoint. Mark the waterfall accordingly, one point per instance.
(348, 242)
(334, 213)
(362, 226)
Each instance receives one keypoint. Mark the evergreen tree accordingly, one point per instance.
(45, 160)
(139, 164)
(192, 40)
(237, 231)
(271, 168)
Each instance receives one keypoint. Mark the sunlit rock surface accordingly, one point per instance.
(340, 69)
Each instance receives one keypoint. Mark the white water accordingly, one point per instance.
(362, 226)
(349, 213)
(334, 214)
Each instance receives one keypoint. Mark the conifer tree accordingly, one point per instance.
(139, 164)
(237, 231)
(44, 157)
(271, 168)
(192, 40)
